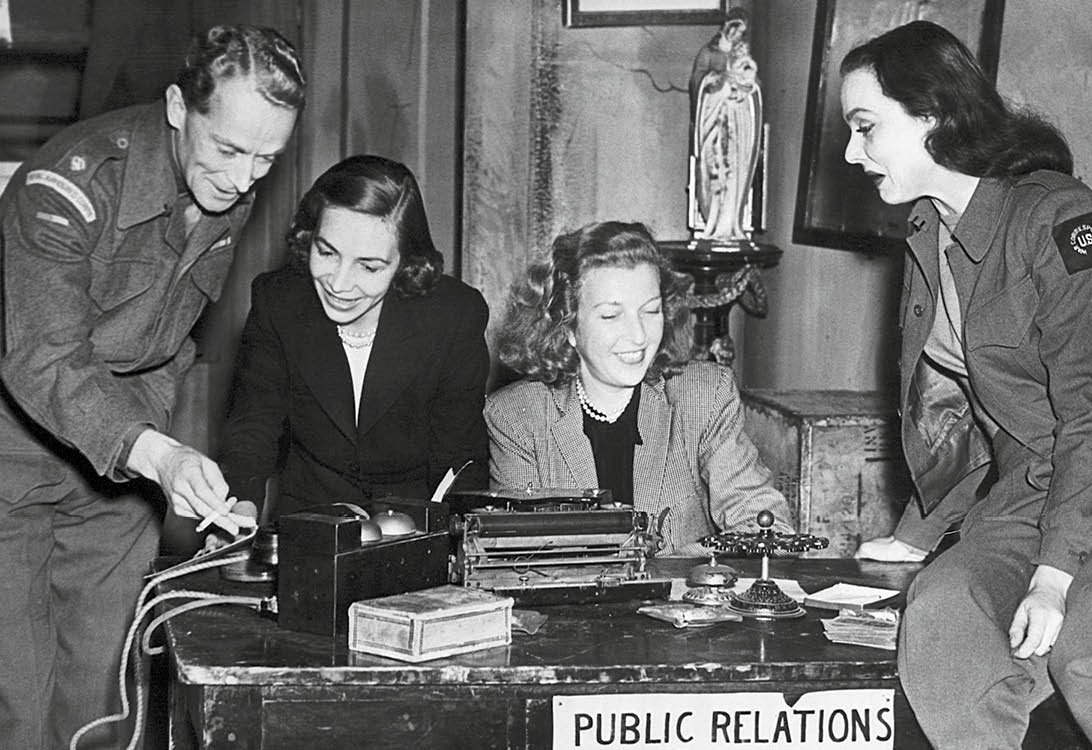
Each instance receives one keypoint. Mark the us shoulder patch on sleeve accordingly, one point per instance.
(66, 189)
(1074, 241)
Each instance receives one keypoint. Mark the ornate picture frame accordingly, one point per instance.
(587, 13)
(836, 205)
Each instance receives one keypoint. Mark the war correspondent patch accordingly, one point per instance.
(1074, 241)
(65, 188)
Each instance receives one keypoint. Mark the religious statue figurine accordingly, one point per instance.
(725, 134)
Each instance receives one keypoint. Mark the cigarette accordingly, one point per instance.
(209, 519)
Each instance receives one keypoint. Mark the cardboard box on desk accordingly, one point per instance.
(431, 623)
(837, 458)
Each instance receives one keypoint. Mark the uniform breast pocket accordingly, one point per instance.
(26, 472)
(1003, 320)
(115, 283)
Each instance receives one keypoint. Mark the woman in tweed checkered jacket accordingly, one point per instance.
(601, 333)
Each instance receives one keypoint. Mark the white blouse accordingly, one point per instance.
(358, 365)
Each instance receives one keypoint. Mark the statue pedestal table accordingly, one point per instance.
(724, 274)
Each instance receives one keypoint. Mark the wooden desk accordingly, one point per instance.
(239, 681)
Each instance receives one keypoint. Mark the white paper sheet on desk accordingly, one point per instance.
(848, 595)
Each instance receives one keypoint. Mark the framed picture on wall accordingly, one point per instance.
(836, 204)
(643, 12)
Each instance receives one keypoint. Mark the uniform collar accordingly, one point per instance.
(922, 239)
(982, 219)
(977, 227)
(152, 183)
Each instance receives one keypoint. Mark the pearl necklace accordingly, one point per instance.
(596, 414)
(353, 341)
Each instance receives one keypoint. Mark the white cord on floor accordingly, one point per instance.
(203, 599)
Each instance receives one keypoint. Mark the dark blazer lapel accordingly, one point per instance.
(322, 362)
(567, 432)
(650, 458)
(398, 354)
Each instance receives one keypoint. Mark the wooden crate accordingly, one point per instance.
(837, 458)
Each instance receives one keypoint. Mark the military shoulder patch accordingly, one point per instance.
(1074, 241)
(65, 188)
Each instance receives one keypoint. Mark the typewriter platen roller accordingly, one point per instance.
(553, 546)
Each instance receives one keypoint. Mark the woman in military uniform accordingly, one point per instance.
(996, 383)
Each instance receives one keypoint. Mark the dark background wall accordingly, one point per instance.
(832, 313)
(385, 77)
(569, 125)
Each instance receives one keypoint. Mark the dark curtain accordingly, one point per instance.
(136, 49)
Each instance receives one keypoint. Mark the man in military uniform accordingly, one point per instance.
(115, 237)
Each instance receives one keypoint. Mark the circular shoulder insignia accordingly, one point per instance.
(1080, 238)
(122, 142)
(1074, 241)
(77, 164)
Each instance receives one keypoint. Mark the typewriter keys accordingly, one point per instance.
(529, 500)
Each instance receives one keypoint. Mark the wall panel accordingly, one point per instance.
(832, 321)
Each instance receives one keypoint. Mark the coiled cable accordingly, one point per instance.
(198, 599)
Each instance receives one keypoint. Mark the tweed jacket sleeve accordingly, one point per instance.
(517, 420)
(709, 412)
(695, 462)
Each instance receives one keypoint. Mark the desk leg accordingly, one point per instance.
(180, 732)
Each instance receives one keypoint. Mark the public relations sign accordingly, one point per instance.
(822, 720)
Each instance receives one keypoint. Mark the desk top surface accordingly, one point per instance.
(231, 644)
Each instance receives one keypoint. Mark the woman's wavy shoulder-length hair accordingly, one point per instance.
(931, 73)
(543, 304)
(380, 187)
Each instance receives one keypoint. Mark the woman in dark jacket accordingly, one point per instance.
(362, 368)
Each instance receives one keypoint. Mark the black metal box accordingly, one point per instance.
(323, 567)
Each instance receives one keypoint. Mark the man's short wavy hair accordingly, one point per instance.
(380, 187)
(226, 52)
(543, 304)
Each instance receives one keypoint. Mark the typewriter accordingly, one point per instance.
(553, 546)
